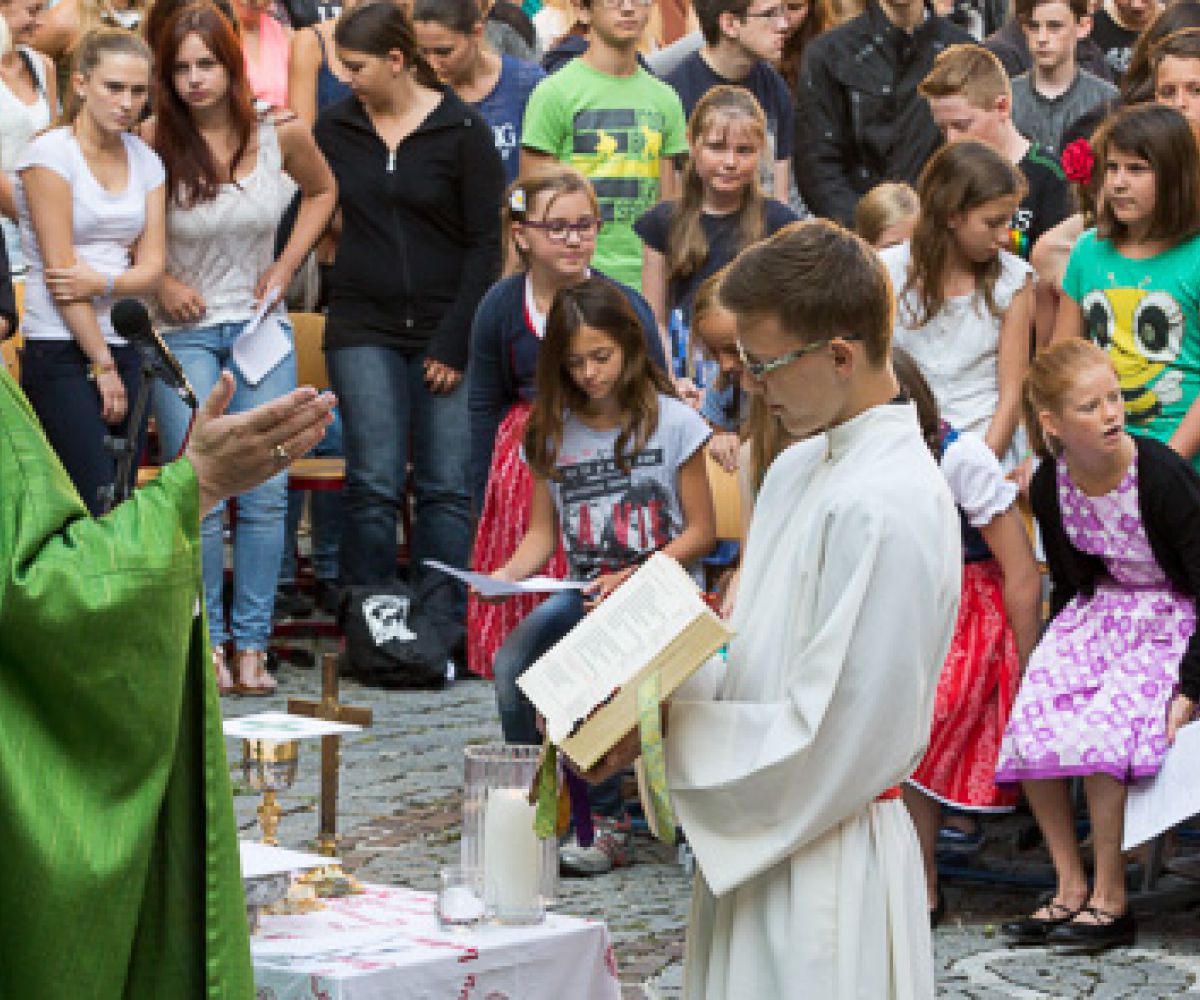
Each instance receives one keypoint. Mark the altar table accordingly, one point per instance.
(385, 945)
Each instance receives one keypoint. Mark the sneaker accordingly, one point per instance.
(612, 848)
(954, 840)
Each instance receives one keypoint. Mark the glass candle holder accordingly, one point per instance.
(517, 872)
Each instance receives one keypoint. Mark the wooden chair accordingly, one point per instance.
(313, 473)
(10, 353)
(727, 502)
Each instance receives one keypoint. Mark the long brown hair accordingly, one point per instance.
(193, 174)
(375, 29)
(818, 18)
(959, 178)
(597, 303)
(1163, 138)
(687, 246)
(915, 387)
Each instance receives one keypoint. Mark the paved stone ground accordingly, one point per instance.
(400, 815)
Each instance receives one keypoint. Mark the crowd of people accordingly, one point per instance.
(524, 224)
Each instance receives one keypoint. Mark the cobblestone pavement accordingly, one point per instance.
(400, 813)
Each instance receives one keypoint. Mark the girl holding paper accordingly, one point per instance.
(230, 176)
(618, 473)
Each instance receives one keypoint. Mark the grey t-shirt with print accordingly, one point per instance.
(611, 519)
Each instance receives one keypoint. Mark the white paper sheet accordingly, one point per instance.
(489, 587)
(1171, 796)
(281, 726)
(264, 343)
(262, 859)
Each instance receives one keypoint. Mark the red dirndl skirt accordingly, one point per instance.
(502, 525)
(975, 694)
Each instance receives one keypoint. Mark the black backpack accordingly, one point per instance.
(394, 637)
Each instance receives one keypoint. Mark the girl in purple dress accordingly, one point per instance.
(1118, 669)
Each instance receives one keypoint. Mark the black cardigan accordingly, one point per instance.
(1169, 501)
(420, 237)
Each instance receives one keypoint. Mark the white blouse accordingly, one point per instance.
(957, 349)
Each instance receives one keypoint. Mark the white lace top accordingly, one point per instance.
(957, 349)
(220, 247)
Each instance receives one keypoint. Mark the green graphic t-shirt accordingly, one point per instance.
(615, 130)
(1144, 314)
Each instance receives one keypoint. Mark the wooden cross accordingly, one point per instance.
(331, 710)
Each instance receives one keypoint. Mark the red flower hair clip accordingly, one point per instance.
(1078, 161)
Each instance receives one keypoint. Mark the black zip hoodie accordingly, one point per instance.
(420, 239)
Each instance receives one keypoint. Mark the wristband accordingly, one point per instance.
(98, 368)
(109, 284)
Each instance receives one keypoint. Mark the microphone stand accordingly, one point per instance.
(125, 449)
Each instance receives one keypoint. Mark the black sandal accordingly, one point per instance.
(1109, 930)
(1034, 930)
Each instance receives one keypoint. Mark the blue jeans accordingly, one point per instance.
(204, 353)
(54, 375)
(326, 516)
(537, 634)
(386, 409)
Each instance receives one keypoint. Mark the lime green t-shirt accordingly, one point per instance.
(1144, 314)
(615, 130)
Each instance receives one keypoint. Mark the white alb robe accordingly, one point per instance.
(807, 887)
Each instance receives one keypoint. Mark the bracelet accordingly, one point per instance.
(98, 368)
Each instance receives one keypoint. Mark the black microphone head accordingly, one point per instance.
(130, 320)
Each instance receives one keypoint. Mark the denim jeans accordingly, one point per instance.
(537, 634)
(54, 375)
(386, 409)
(325, 508)
(204, 352)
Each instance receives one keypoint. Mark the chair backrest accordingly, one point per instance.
(727, 499)
(9, 348)
(309, 330)
(9, 353)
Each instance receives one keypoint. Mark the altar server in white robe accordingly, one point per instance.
(782, 772)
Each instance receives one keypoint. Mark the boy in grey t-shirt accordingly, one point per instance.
(1055, 93)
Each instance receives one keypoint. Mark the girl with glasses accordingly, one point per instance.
(550, 222)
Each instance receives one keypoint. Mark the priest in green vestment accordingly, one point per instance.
(119, 873)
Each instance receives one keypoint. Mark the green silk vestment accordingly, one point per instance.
(119, 872)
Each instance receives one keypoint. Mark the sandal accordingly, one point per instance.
(1034, 929)
(220, 668)
(253, 679)
(1105, 930)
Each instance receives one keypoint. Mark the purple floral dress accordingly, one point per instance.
(1095, 693)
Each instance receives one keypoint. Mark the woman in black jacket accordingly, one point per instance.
(419, 184)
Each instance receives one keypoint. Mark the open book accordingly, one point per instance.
(586, 686)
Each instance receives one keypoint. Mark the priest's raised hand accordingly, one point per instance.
(232, 453)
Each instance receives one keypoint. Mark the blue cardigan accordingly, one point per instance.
(503, 361)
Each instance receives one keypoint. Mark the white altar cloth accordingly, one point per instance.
(385, 945)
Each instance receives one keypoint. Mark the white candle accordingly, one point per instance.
(511, 854)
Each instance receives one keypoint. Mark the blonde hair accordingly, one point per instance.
(968, 71)
(1052, 375)
(885, 205)
(556, 179)
(92, 48)
(687, 246)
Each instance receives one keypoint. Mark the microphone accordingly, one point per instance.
(131, 321)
